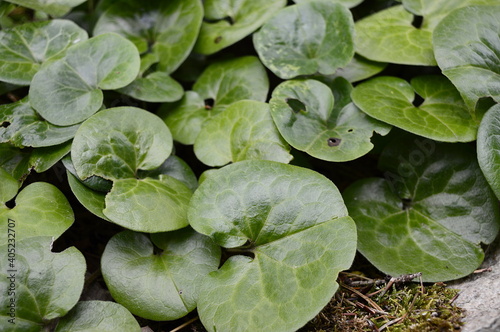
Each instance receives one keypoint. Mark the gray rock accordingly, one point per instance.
(480, 294)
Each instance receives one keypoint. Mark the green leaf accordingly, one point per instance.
(467, 51)
(245, 130)
(229, 21)
(156, 87)
(68, 90)
(488, 148)
(47, 284)
(92, 200)
(133, 271)
(22, 126)
(44, 158)
(220, 85)
(430, 214)
(359, 69)
(443, 116)
(15, 161)
(9, 186)
(389, 36)
(305, 114)
(52, 7)
(41, 210)
(308, 38)
(25, 47)
(103, 316)
(176, 168)
(347, 3)
(117, 142)
(148, 205)
(294, 222)
(168, 28)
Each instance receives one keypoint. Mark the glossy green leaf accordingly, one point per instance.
(156, 87)
(68, 91)
(310, 120)
(176, 168)
(308, 38)
(41, 210)
(245, 130)
(220, 85)
(148, 205)
(229, 21)
(46, 284)
(359, 69)
(92, 200)
(430, 214)
(117, 142)
(15, 161)
(347, 3)
(103, 316)
(442, 116)
(293, 222)
(52, 7)
(167, 28)
(42, 159)
(389, 36)
(467, 50)
(133, 271)
(9, 186)
(25, 47)
(21, 126)
(488, 148)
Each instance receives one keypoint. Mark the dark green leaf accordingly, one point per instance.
(488, 148)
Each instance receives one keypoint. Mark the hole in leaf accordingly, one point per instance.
(218, 39)
(407, 203)
(5, 124)
(333, 141)
(417, 21)
(350, 130)
(296, 105)
(209, 103)
(417, 101)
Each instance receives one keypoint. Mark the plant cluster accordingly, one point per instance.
(245, 150)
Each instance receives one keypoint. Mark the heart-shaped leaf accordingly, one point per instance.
(488, 148)
(52, 7)
(229, 21)
(293, 222)
(429, 215)
(41, 210)
(245, 130)
(25, 47)
(133, 271)
(103, 316)
(21, 126)
(38, 285)
(118, 142)
(68, 91)
(389, 36)
(442, 116)
(467, 51)
(220, 85)
(305, 114)
(308, 38)
(347, 3)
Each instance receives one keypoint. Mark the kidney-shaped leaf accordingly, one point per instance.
(293, 222)
(305, 114)
(21, 126)
(41, 210)
(52, 7)
(429, 215)
(158, 286)
(488, 148)
(389, 36)
(443, 116)
(467, 48)
(68, 90)
(25, 47)
(229, 21)
(307, 38)
(103, 316)
(245, 130)
(117, 142)
(46, 284)
(220, 85)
